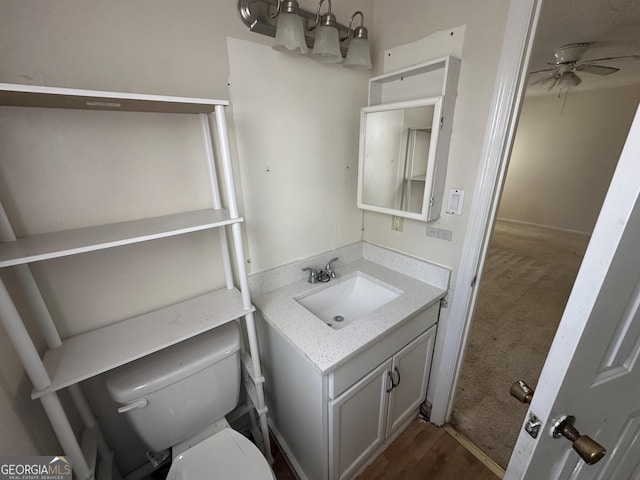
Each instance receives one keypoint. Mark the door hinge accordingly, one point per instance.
(473, 281)
(441, 121)
(444, 303)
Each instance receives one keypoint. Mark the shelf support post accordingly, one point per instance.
(40, 379)
(225, 152)
(88, 418)
(205, 129)
(227, 168)
(21, 341)
(255, 364)
(66, 437)
(30, 287)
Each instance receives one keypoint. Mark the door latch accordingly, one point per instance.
(533, 425)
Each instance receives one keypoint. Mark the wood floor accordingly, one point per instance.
(422, 451)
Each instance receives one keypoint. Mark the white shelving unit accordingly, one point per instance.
(71, 360)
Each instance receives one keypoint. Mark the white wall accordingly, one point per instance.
(564, 155)
(297, 124)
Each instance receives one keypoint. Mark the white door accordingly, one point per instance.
(592, 370)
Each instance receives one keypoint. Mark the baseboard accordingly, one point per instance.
(475, 451)
(548, 227)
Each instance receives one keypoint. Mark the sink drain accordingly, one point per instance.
(338, 318)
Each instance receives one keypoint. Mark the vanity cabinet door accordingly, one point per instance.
(357, 422)
(410, 372)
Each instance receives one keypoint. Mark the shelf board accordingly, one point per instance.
(71, 242)
(86, 355)
(413, 70)
(418, 178)
(54, 97)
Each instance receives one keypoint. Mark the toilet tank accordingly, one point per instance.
(175, 393)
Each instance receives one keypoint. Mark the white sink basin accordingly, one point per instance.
(348, 300)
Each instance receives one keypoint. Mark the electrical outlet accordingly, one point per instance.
(440, 233)
(396, 223)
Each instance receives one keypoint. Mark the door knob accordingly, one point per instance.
(521, 392)
(588, 449)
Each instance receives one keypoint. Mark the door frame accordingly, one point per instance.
(522, 23)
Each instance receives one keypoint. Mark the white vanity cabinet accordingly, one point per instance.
(331, 424)
(377, 406)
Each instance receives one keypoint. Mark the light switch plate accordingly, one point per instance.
(456, 199)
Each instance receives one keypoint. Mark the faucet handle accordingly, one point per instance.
(312, 275)
(328, 267)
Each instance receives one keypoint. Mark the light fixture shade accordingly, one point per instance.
(359, 54)
(569, 79)
(326, 47)
(290, 34)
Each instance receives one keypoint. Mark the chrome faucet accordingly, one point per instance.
(321, 275)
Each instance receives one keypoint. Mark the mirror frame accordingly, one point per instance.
(436, 102)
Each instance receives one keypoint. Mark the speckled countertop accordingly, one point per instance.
(327, 348)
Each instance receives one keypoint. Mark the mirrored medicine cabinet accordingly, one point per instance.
(404, 140)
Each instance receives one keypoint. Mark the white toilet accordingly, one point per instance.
(178, 398)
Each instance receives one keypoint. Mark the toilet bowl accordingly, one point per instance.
(225, 455)
(178, 398)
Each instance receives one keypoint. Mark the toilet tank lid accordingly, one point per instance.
(172, 364)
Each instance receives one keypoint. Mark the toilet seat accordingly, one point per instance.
(227, 455)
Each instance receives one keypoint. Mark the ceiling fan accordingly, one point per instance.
(567, 63)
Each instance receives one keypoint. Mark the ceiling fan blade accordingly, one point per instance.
(541, 76)
(543, 70)
(637, 57)
(597, 69)
(550, 83)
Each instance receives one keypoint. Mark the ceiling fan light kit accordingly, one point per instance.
(568, 62)
(568, 80)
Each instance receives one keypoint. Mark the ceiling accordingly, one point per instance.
(613, 26)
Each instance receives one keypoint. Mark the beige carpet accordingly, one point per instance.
(527, 279)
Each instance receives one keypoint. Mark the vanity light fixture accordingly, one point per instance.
(296, 30)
